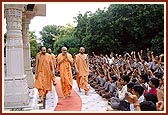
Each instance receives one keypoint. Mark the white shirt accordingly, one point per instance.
(140, 100)
(121, 94)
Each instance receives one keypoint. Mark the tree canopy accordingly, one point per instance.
(34, 45)
(122, 27)
(118, 28)
(49, 34)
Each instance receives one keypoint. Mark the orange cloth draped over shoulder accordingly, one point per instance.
(44, 73)
(65, 74)
(83, 69)
(54, 59)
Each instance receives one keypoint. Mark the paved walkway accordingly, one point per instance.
(51, 100)
(93, 102)
(71, 103)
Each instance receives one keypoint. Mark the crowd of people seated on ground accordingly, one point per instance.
(129, 82)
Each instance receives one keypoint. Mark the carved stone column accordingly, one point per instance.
(16, 92)
(26, 48)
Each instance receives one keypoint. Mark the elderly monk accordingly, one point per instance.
(82, 69)
(53, 57)
(65, 62)
(43, 73)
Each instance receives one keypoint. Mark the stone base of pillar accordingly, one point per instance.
(16, 92)
(29, 78)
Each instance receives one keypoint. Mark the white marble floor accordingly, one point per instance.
(51, 100)
(91, 103)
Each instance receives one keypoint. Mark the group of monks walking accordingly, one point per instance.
(46, 65)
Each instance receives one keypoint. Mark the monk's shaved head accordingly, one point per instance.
(49, 50)
(82, 50)
(43, 50)
(64, 50)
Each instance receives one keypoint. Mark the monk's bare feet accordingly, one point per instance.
(54, 83)
(40, 100)
(69, 94)
(86, 93)
(79, 89)
(109, 108)
(64, 97)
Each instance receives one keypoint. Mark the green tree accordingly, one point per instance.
(82, 28)
(158, 44)
(34, 45)
(121, 27)
(64, 31)
(66, 38)
(67, 30)
(73, 51)
(55, 37)
(70, 42)
(49, 34)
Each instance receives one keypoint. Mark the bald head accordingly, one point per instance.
(49, 50)
(64, 50)
(82, 50)
(43, 50)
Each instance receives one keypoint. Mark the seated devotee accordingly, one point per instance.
(115, 102)
(105, 88)
(137, 90)
(154, 84)
(112, 89)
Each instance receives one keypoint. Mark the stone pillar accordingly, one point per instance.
(26, 49)
(16, 92)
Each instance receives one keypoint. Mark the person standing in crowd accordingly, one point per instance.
(43, 73)
(65, 62)
(82, 69)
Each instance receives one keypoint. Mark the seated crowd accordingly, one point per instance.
(129, 82)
